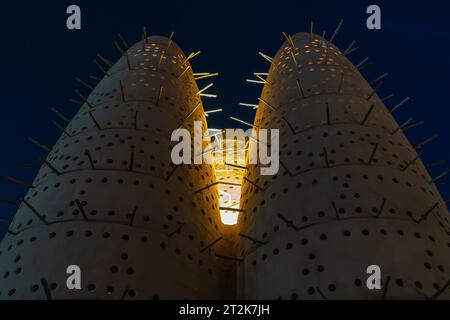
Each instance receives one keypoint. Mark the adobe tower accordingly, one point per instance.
(109, 200)
(351, 191)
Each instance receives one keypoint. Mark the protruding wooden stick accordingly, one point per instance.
(222, 256)
(255, 81)
(328, 113)
(191, 56)
(385, 288)
(372, 155)
(39, 145)
(325, 154)
(400, 127)
(83, 98)
(76, 102)
(351, 51)
(419, 123)
(80, 207)
(91, 115)
(211, 244)
(84, 83)
(441, 290)
(169, 42)
(26, 166)
(367, 114)
(374, 90)
(267, 104)
(203, 76)
(260, 77)
(95, 78)
(251, 238)
(60, 128)
(380, 210)
(208, 112)
(387, 97)
(122, 93)
(133, 214)
(265, 56)
(349, 47)
(20, 182)
(364, 66)
(252, 183)
(91, 162)
(184, 71)
(300, 88)
(289, 39)
(289, 223)
(8, 202)
(236, 166)
(362, 62)
(336, 30)
(101, 68)
(104, 60)
(159, 95)
(205, 88)
(440, 176)
(123, 41)
(400, 104)
(60, 115)
(295, 60)
(255, 106)
(231, 209)
(161, 57)
(311, 29)
(46, 288)
(242, 121)
(36, 213)
(411, 162)
(11, 232)
(384, 75)
(336, 212)
(127, 58)
(124, 293)
(192, 111)
(421, 144)
(118, 47)
(144, 33)
(51, 167)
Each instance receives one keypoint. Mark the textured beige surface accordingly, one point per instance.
(131, 220)
(346, 195)
(350, 193)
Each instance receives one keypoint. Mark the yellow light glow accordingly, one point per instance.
(228, 217)
(229, 175)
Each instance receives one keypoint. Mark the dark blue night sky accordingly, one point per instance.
(40, 58)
